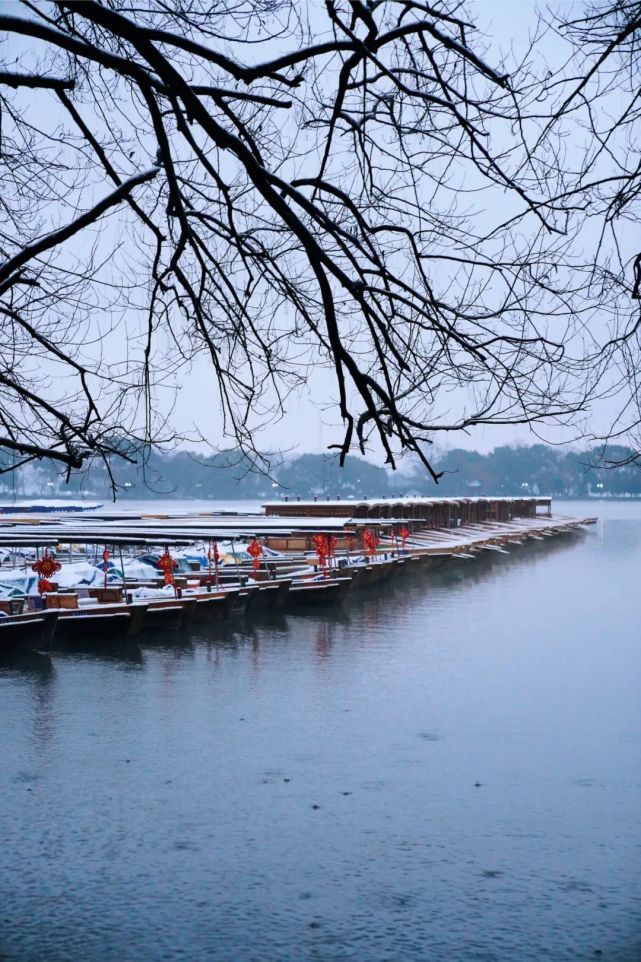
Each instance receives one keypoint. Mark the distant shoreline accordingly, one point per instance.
(91, 502)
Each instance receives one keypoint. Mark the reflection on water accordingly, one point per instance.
(38, 671)
(29, 664)
(449, 769)
(127, 653)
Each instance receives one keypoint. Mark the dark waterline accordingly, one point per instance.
(448, 770)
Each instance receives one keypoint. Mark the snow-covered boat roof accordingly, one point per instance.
(282, 519)
(47, 506)
(175, 531)
(405, 501)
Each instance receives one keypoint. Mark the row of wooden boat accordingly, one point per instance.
(64, 621)
(291, 582)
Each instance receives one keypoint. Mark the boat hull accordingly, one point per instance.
(28, 632)
(312, 594)
(89, 627)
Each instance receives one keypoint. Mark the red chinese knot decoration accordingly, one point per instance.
(404, 535)
(255, 551)
(105, 564)
(167, 564)
(45, 567)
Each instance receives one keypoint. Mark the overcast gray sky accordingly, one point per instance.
(311, 422)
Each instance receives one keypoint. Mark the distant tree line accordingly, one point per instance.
(231, 475)
(541, 469)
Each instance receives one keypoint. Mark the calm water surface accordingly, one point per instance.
(449, 770)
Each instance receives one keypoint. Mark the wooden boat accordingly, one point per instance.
(283, 569)
(247, 598)
(32, 631)
(326, 591)
(165, 613)
(161, 614)
(190, 605)
(272, 595)
(262, 596)
(369, 573)
(84, 620)
(99, 625)
(210, 607)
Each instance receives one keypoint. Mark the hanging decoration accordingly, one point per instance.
(404, 535)
(216, 559)
(167, 564)
(45, 567)
(330, 542)
(255, 550)
(370, 542)
(213, 555)
(320, 546)
(105, 563)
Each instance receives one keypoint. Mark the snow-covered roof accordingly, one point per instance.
(46, 505)
(406, 502)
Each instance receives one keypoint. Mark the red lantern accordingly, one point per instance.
(45, 567)
(167, 564)
(370, 541)
(404, 534)
(255, 550)
(320, 545)
(105, 564)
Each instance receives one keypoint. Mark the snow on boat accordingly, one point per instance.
(48, 507)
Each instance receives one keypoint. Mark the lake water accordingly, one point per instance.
(447, 771)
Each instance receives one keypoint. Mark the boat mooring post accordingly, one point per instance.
(394, 535)
(124, 577)
(233, 551)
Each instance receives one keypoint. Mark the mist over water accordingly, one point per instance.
(449, 769)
